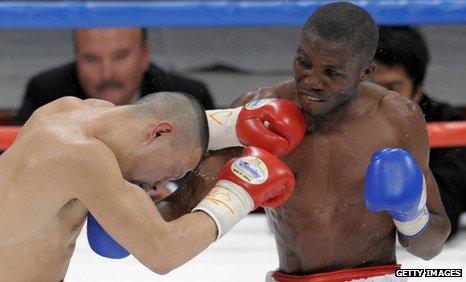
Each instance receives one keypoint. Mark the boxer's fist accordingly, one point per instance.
(263, 176)
(257, 178)
(395, 183)
(101, 243)
(276, 125)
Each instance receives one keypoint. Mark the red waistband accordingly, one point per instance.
(338, 276)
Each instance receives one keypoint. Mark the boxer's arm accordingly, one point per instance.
(197, 185)
(285, 90)
(128, 215)
(412, 129)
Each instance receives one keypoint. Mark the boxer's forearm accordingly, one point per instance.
(171, 211)
(187, 236)
(429, 243)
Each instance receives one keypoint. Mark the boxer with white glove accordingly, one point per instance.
(395, 183)
(276, 125)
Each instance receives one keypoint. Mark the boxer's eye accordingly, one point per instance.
(332, 73)
(303, 63)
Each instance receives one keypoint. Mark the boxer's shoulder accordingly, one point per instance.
(284, 91)
(401, 111)
(62, 105)
(392, 105)
(98, 103)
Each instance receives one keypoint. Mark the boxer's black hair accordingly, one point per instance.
(347, 23)
(403, 46)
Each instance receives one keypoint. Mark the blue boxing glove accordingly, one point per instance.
(101, 242)
(395, 183)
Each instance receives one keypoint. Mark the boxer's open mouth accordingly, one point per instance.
(312, 98)
(309, 95)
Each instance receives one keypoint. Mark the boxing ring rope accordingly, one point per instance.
(441, 134)
(213, 13)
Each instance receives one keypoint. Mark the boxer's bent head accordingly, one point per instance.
(334, 55)
(174, 135)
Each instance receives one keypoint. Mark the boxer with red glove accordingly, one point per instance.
(276, 125)
(257, 178)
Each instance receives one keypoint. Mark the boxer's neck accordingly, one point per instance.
(329, 122)
(335, 119)
(119, 130)
(332, 121)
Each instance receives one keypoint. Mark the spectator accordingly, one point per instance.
(402, 58)
(111, 64)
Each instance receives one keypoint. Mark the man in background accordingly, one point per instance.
(402, 58)
(111, 64)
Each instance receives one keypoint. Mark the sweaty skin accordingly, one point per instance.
(53, 174)
(325, 225)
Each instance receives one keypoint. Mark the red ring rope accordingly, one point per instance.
(441, 134)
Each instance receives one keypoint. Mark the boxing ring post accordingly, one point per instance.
(441, 134)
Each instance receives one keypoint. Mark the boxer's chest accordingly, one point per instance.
(330, 169)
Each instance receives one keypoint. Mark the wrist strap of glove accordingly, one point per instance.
(227, 203)
(414, 226)
(222, 128)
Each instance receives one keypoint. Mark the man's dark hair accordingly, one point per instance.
(403, 46)
(346, 23)
(182, 109)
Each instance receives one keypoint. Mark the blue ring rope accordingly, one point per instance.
(205, 13)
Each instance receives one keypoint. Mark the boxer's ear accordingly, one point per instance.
(367, 72)
(160, 129)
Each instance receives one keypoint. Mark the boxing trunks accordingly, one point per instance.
(384, 273)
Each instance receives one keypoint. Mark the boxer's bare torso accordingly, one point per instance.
(40, 222)
(325, 225)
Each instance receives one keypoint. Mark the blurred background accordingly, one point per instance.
(230, 61)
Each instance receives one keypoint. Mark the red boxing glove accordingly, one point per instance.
(267, 179)
(276, 125)
(257, 178)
